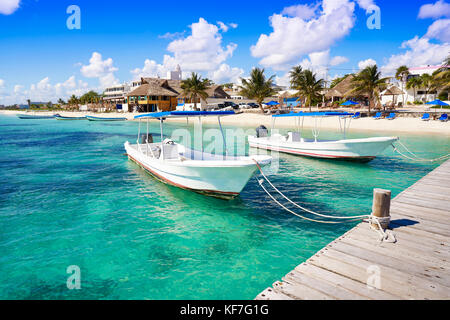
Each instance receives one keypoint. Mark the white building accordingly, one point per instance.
(175, 75)
(420, 93)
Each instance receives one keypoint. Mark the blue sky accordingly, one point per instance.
(35, 43)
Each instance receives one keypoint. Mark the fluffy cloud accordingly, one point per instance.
(9, 6)
(226, 74)
(2, 83)
(202, 51)
(318, 62)
(366, 63)
(293, 37)
(419, 52)
(440, 30)
(101, 69)
(366, 4)
(45, 91)
(225, 27)
(436, 10)
(302, 11)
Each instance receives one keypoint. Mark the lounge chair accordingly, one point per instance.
(357, 115)
(378, 116)
(391, 116)
(426, 117)
(444, 118)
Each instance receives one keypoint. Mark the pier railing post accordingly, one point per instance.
(381, 207)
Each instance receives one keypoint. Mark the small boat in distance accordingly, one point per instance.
(92, 118)
(220, 176)
(361, 150)
(35, 116)
(59, 117)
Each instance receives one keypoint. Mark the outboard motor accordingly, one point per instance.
(147, 138)
(261, 132)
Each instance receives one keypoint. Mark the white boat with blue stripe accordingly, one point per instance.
(361, 150)
(220, 176)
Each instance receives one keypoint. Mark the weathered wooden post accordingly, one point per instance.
(381, 207)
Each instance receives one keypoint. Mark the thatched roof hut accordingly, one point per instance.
(393, 91)
(344, 89)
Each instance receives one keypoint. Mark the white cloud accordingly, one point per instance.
(101, 69)
(419, 52)
(318, 62)
(302, 11)
(2, 83)
(436, 10)
(293, 37)
(202, 51)
(9, 6)
(45, 91)
(440, 29)
(174, 35)
(226, 74)
(366, 4)
(366, 63)
(338, 60)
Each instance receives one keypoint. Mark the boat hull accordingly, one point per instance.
(361, 150)
(33, 117)
(91, 118)
(220, 179)
(69, 118)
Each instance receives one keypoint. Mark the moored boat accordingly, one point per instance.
(92, 118)
(175, 164)
(59, 117)
(34, 116)
(362, 150)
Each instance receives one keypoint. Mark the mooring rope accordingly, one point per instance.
(416, 158)
(384, 234)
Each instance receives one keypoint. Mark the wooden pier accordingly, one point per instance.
(357, 266)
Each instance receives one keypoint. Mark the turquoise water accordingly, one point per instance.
(68, 196)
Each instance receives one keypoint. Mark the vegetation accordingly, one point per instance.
(258, 87)
(90, 97)
(368, 81)
(307, 85)
(401, 75)
(414, 83)
(195, 87)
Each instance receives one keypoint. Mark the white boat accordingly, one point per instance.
(214, 175)
(362, 150)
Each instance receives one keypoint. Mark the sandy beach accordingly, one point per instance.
(401, 124)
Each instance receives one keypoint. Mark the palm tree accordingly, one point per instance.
(414, 83)
(195, 87)
(309, 86)
(441, 77)
(295, 75)
(258, 87)
(401, 75)
(73, 101)
(428, 83)
(368, 81)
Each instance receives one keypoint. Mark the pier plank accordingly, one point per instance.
(417, 266)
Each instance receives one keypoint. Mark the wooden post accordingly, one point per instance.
(381, 206)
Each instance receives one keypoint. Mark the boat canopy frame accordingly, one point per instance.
(318, 116)
(162, 116)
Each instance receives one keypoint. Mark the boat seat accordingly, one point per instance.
(294, 137)
(171, 152)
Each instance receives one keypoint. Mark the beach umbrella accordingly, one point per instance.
(272, 103)
(437, 103)
(349, 103)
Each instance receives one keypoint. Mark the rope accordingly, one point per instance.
(385, 235)
(415, 157)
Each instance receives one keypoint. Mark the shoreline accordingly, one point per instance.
(401, 124)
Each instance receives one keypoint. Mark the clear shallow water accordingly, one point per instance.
(68, 196)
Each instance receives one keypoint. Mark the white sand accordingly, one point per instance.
(401, 124)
